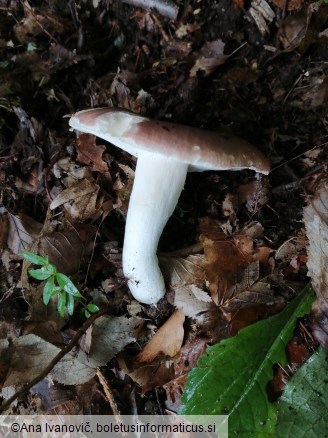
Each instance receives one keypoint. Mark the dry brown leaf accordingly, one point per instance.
(258, 293)
(47, 330)
(179, 271)
(192, 300)
(109, 337)
(88, 152)
(300, 29)
(232, 262)
(123, 188)
(22, 232)
(174, 391)
(225, 257)
(316, 225)
(292, 5)
(66, 249)
(209, 57)
(189, 355)
(80, 200)
(29, 355)
(148, 376)
(167, 341)
(254, 194)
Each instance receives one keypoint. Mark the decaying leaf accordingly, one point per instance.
(209, 57)
(88, 152)
(22, 232)
(167, 341)
(180, 271)
(254, 194)
(316, 225)
(232, 266)
(300, 29)
(192, 300)
(109, 337)
(292, 5)
(148, 376)
(80, 199)
(191, 351)
(66, 249)
(29, 355)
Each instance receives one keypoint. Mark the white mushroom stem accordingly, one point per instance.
(157, 187)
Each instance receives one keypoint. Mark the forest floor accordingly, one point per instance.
(234, 251)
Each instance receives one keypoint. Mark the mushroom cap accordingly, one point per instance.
(202, 150)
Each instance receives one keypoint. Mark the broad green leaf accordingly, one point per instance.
(87, 314)
(70, 304)
(35, 259)
(48, 290)
(303, 407)
(67, 285)
(40, 274)
(62, 304)
(92, 308)
(231, 378)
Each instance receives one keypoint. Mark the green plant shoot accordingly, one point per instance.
(57, 284)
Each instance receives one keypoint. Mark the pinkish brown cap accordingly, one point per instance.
(202, 150)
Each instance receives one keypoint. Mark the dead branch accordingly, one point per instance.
(56, 359)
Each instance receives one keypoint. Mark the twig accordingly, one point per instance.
(30, 9)
(164, 7)
(109, 395)
(56, 359)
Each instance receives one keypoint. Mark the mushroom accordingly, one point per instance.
(165, 153)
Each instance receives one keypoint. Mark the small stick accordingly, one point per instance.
(109, 395)
(56, 359)
(164, 7)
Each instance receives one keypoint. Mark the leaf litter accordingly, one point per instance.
(68, 198)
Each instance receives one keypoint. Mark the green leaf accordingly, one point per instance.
(33, 258)
(303, 407)
(70, 304)
(87, 314)
(62, 304)
(92, 308)
(48, 290)
(67, 285)
(40, 274)
(231, 378)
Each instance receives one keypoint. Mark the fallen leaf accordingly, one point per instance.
(209, 57)
(292, 5)
(22, 232)
(254, 194)
(30, 354)
(67, 249)
(167, 341)
(88, 152)
(147, 376)
(80, 200)
(110, 335)
(179, 271)
(192, 300)
(225, 257)
(315, 218)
